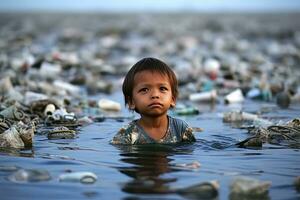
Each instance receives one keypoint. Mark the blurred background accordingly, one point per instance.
(213, 45)
(151, 5)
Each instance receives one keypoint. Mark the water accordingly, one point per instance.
(150, 171)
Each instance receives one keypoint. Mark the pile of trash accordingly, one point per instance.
(263, 130)
(52, 69)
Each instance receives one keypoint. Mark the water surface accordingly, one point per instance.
(151, 171)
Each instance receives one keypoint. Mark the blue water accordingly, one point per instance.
(149, 172)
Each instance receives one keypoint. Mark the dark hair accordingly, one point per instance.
(151, 64)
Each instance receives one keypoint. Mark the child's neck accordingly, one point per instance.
(156, 127)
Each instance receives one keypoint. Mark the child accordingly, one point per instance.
(150, 88)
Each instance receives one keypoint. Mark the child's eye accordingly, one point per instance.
(163, 88)
(143, 90)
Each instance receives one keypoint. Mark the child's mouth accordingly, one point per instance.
(153, 105)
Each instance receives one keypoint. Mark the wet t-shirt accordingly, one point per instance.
(178, 131)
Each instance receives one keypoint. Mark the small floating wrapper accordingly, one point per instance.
(249, 187)
(205, 190)
(61, 133)
(209, 96)
(234, 97)
(83, 177)
(109, 105)
(30, 175)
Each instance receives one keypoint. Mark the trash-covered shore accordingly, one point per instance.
(51, 65)
(54, 66)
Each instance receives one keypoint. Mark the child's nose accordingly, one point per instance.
(155, 94)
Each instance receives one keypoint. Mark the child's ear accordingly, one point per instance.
(131, 105)
(173, 102)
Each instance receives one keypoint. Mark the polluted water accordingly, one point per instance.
(61, 103)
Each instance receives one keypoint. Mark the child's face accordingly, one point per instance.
(152, 94)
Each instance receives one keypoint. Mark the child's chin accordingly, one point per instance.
(156, 113)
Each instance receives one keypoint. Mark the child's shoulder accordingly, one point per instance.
(126, 134)
(178, 122)
(183, 128)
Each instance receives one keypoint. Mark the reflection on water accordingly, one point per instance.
(27, 152)
(148, 164)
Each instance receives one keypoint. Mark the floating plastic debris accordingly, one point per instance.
(72, 89)
(49, 70)
(234, 116)
(83, 177)
(109, 105)
(84, 121)
(206, 190)
(253, 93)
(239, 116)
(234, 97)
(197, 129)
(30, 175)
(61, 117)
(251, 142)
(61, 133)
(62, 114)
(49, 110)
(276, 133)
(243, 187)
(11, 138)
(8, 168)
(211, 67)
(186, 110)
(209, 96)
(189, 166)
(26, 133)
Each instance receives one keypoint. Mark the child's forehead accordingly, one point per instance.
(151, 73)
